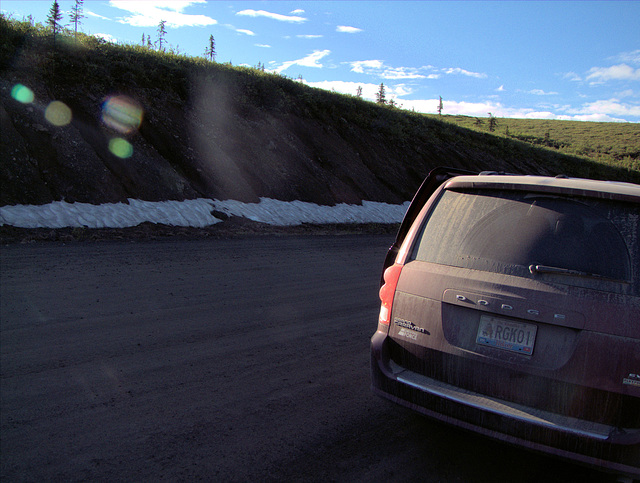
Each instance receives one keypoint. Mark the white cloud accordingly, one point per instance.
(311, 60)
(594, 118)
(599, 75)
(149, 14)
(402, 90)
(607, 107)
(626, 93)
(297, 11)
(401, 73)
(459, 71)
(107, 37)
(604, 111)
(89, 13)
(540, 92)
(572, 76)
(631, 57)
(482, 110)
(344, 87)
(309, 36)
(369, 90)
(599, 111)
(169, 5)
(264, 46)
(245, 31)
(500, 89)
(273, 16)
(347, 30)
(379, 69)
(477, 109)
(361, 66)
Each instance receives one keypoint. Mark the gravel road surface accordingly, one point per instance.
(240, 359)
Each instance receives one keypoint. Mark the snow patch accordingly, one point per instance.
(194, 213)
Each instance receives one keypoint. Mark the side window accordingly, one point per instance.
(509, 232)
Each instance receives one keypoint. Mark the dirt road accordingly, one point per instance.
(216, 360)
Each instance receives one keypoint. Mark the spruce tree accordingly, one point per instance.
(493, 122)
(381, 96)
(77, 16)
(54, 20)
(210, 51)
(161, 33)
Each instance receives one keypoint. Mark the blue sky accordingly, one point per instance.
(574, 60)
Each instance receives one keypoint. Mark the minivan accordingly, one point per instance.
(510, 306)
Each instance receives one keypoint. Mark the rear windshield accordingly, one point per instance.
(577, 241)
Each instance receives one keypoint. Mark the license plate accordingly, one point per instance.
(506, 334)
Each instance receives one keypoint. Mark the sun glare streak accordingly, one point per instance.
(22, 94)
(58, 113)
(122, 114)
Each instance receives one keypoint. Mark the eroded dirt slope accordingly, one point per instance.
(215, 131)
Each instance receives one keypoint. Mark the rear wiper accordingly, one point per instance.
(566, 271)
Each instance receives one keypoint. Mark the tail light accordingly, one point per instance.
(387, 291)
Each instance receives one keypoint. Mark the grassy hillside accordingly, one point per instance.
(221, 131)
(616, 144)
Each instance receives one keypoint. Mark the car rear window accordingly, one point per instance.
(578, 241)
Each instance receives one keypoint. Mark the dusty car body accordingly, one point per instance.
(510, 306)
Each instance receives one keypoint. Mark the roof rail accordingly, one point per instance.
(496, 173)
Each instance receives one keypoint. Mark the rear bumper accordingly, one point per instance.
(599, 445)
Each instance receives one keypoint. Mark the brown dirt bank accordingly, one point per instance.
(222, 132)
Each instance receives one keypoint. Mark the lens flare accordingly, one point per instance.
(22, 94)
(58, 113)
(121, 148)
(122, 114)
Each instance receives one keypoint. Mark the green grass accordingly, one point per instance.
(610, 143)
